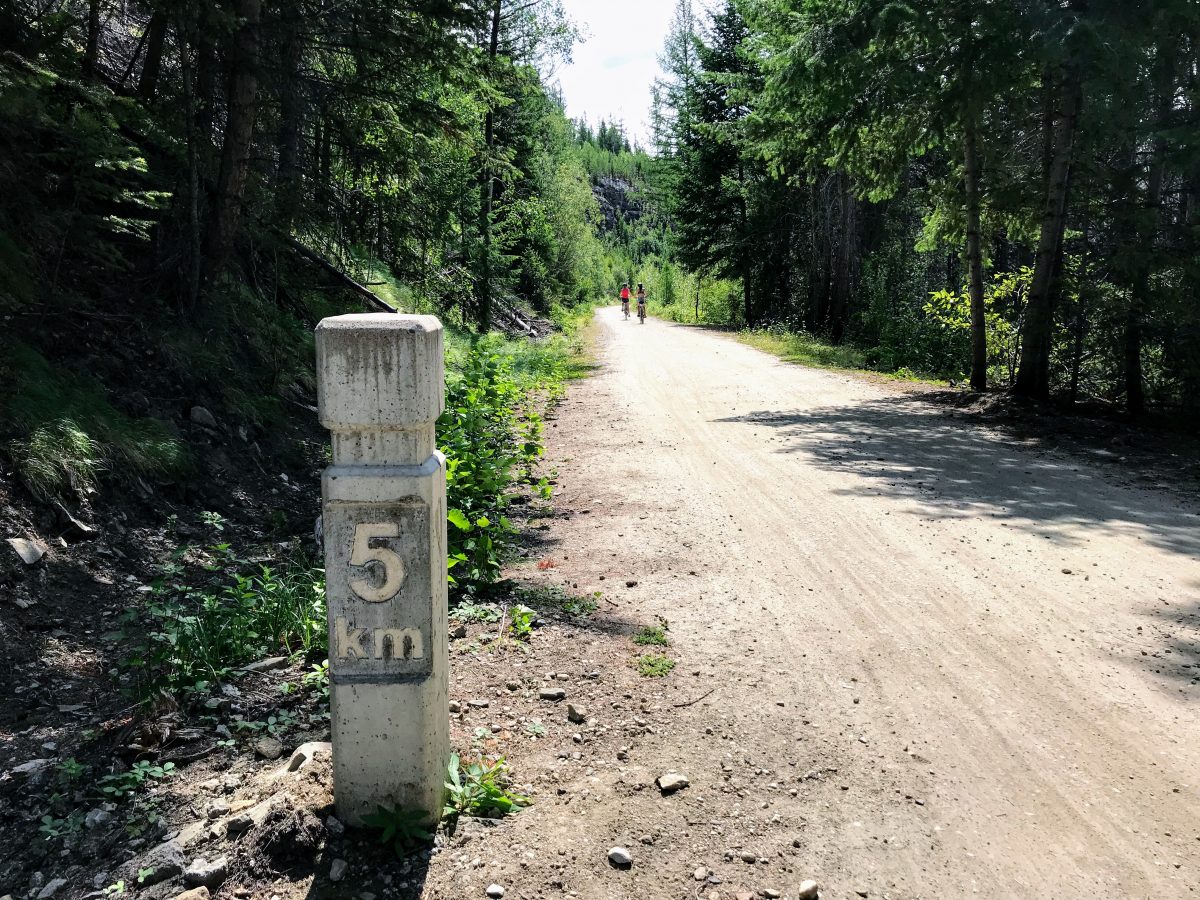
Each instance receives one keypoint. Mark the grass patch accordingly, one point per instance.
(655, 665)
(66, 433)
(805, 349)
(651, 636)
(553, 598)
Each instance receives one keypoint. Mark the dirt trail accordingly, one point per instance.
(943, 665)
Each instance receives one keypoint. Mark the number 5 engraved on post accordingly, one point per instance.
(367, 552)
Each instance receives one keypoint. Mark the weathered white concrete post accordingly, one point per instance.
(380, 388)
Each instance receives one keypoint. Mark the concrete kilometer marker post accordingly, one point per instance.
(380, 389)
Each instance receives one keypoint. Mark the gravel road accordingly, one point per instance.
(943, 665)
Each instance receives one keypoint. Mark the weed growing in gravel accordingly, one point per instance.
(651, 636)
(553, 598)
(490, 440)
(480, 789)
(655, 665)
(404, 829)
(535, 729)
(520, 622)
(469, 613)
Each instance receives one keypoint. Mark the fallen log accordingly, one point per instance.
(368, 296)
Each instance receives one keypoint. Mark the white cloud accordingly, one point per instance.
(614, 66)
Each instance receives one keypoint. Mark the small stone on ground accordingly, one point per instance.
(337, 869)
(620, 857)
(209, 874)
(672, 782)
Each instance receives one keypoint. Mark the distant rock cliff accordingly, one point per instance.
(616, 196)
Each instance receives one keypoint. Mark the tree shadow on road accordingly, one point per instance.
(1178, 621)
(954, 470)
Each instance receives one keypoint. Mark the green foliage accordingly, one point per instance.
(651, 635)
(67, 431)
(198, 634)
(655, 665)
(555, 599)
(520, 622)
(404, 829)
(1005, 293)
(122, 784)
(480, 789)
(491, 434)
(485, 443)
(827, 161)
(317, 679)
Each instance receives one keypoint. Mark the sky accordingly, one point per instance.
(615, 64)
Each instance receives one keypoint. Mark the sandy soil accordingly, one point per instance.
(942, 665)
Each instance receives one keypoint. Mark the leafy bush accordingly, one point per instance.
(490, 439)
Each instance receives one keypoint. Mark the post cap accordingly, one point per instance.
(379, 372)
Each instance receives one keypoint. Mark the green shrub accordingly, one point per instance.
(199, 634)
(491, 439)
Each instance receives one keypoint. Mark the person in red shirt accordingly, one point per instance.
(625, 299)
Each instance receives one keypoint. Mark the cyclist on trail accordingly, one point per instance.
(625, 299)
(641, 301)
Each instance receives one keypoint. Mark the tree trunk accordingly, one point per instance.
(156, 35)
(1150, 222)
(487, 188)
(239, 133)
(1037, 331)
(839, 307)
(979, 359)
(291, 123)
(744, 237)
(1079, 328)
(91, 49)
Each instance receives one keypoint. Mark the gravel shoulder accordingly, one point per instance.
(941, 664)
